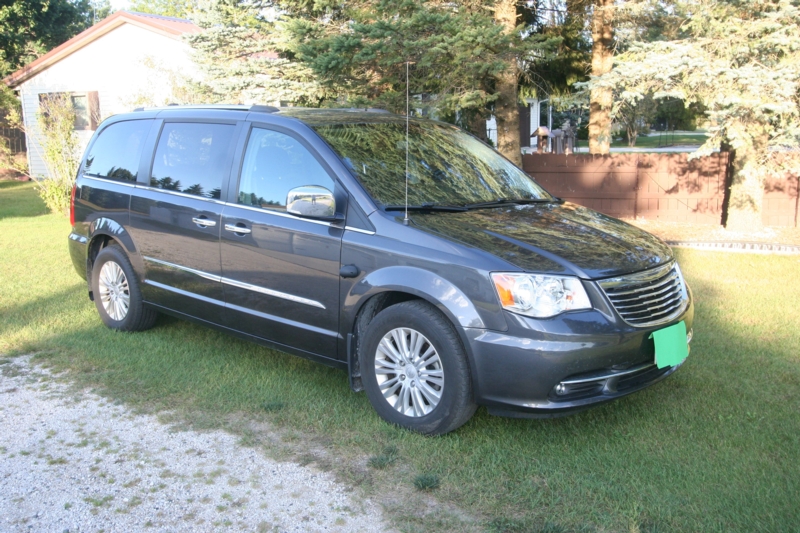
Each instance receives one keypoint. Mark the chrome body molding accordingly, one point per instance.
(277, 214)
(359, 230)
(270, 292)
(231, 282)
(131, 184)
(204, 275)
(178, 193)
(238, 308)
(608, 374)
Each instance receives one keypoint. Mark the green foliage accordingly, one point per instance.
(674, 114)
(426, 482)
(457, 52)
(29, 28)
(385, 459)
(741, 61)
(237, 52)
(167, 8)
(11, 116)
(56, 119)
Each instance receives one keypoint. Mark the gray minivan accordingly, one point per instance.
(436, 273)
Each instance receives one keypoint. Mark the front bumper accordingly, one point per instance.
(553, 367)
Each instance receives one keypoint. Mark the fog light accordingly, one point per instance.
(561, 389)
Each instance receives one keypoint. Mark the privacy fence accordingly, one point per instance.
(666, 186)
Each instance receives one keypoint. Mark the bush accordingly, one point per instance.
(59, 146)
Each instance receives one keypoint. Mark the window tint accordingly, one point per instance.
(192, 158)
(117, 151)
(275, 163)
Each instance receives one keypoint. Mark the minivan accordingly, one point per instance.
(404, 251)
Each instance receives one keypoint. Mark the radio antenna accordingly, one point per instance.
(405, 220)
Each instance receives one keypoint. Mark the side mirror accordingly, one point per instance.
(311, 201)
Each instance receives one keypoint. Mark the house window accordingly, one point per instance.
(85, 105)
(80, 104)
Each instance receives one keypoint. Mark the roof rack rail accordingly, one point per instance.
(264, 108)
(361, 109)
(226, 107)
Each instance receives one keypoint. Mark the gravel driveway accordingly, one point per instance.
(79, 463)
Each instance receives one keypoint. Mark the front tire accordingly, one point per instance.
(415, 370)
(116, 292)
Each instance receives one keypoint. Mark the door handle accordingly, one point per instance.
(237, 229)
(204, 222)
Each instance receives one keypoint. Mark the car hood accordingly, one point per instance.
(552, 238)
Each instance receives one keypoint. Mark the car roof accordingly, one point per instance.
(311, 116)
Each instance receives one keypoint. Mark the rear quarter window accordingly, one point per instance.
(117, 151)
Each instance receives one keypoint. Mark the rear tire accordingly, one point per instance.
(116, 292)
(415, 370)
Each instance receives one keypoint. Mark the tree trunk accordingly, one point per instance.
(747, 187)
(505, 108)
(601, 98)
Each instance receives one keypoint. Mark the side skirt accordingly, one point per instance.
(327, 361)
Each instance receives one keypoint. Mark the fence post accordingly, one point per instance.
(636, 191)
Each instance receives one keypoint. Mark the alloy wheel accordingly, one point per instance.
(114, 291)
(409, 372)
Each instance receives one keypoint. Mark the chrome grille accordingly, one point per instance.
(648, 298)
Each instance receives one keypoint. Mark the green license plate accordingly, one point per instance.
(671, 346)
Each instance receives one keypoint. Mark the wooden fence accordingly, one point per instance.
(14, 139)
(665, 186)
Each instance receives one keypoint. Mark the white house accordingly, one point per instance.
(122, 62)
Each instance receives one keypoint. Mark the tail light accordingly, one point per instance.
(72, 205)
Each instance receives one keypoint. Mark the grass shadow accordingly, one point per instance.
(19, 199)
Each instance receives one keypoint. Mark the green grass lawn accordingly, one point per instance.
(653, 141)
(714, 448)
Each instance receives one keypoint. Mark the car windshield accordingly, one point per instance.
(446, 166)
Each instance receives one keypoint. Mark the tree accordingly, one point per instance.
(29, 28)
(238, 53)
(601, 96)
(635, 115)
(167, 8)
(466, 58)
(741, 61)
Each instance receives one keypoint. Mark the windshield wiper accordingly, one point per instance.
(517, 201)
(427, 207)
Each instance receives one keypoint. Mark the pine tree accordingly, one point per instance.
(741, 61)
(465, 58)
(239, 53)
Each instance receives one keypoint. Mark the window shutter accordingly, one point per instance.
(94, 109)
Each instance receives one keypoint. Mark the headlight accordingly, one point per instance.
(540, 296)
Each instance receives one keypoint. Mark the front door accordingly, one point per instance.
(176, 219)
(280, 273)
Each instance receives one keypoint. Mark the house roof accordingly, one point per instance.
(167, 26)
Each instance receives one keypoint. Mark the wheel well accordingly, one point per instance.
(368, 311)
(96, 244)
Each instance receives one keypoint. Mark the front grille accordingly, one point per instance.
(648, 298)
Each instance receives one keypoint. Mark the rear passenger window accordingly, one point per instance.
(192, 158)
(275, 163)
(117, 151)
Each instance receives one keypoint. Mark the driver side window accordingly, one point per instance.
(275, 163)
